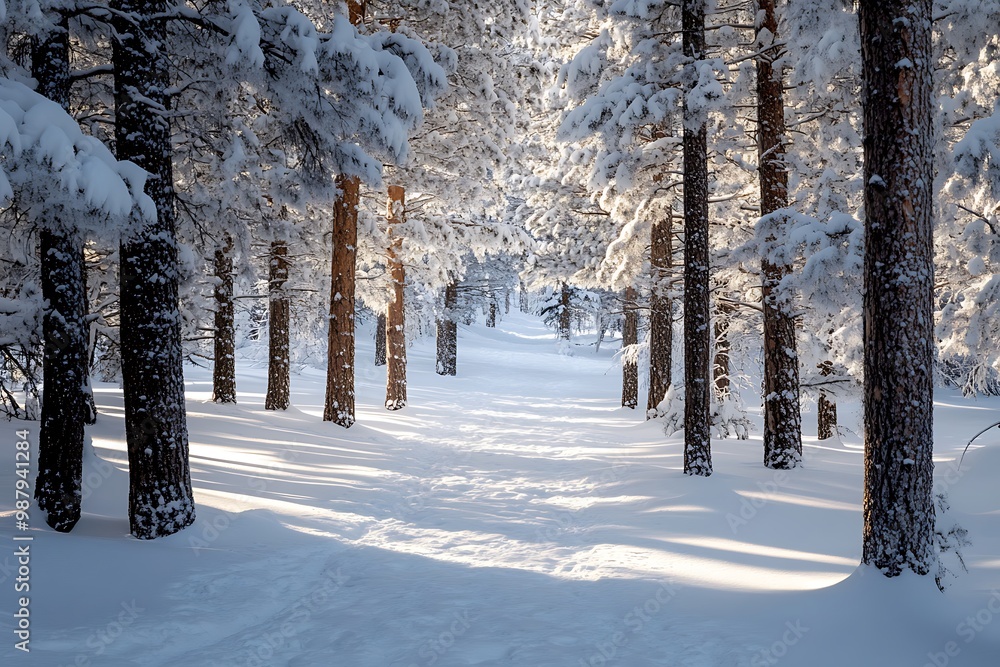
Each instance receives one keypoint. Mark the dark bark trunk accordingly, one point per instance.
(380, 340)
(697, 325)
(160, 497)
(661, 323)
(522, 298)
(564, 313)
(278, 324)
(782, 414)
(630, 336)
(339, 406)
(447, 334)
(64, 329)
(395, 342)
(826, 409)
(897, 57)
(720, 364)
(491, 316)
(224, 369)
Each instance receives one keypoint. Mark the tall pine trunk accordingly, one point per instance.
(661, 323)
(826, 409)
(339, 406)
(782, 414)
(697, 325)
(278, 325)
(395, 340)
(447, 333)
(491, 316)
(720, 364)
(160, 497)
(380, 340)
(897, 58)
(564, 313)
(224, 369)
(630, 336)
(64, 329)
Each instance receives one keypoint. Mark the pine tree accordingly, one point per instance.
(697, 344)
(447, 333)
(339, 404)
(661, 322)
(160, 497)
(630, 336)
(224, 368)
(782, 416)
(395, 321)
(65, 332)
(897, 105)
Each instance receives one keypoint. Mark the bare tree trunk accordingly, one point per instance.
(491, 316)
(826, 408)
(564, 313)
(782, 414)
(395, 392)
(279, 321)
(697, 324)
(224, 369)
(160, 497)
(720, 364)
(380, 340)
(64, 329)
(630, 336)
(447, 333)
(339, 405)
(661, 323)
(897, 58)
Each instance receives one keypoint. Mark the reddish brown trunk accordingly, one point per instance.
(395, 340)
(339, 407)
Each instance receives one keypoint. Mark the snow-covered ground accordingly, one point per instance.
(514, 515)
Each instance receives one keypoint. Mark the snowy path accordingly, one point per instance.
(513, 515)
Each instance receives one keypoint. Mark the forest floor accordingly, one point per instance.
(513, 515)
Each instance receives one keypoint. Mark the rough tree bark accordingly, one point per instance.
(826, 409)
(224, 369)
(339, 407)
(720, 363)
(782, 414)
(630, 336)
(661, 324)
(380, 340)
(64, 329)
(395, 341)
(278, 324)
(447, 333)
(564, 313)
(160, 497)
(491, 316)
(697, 325)
(897, 58)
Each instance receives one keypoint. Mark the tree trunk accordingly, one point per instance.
(720, 364)
(564, 313)
(661, 324)
(447, 333)
(278, 324)
(380, 340)
(522, 298)
(224, 370)
(826, 408)
(339, 406)
(64, 328)
(395, 340)
(782, 414)
(630, 336)
(697, 324)
(491, 316)
(897, 58)
(160, 497)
